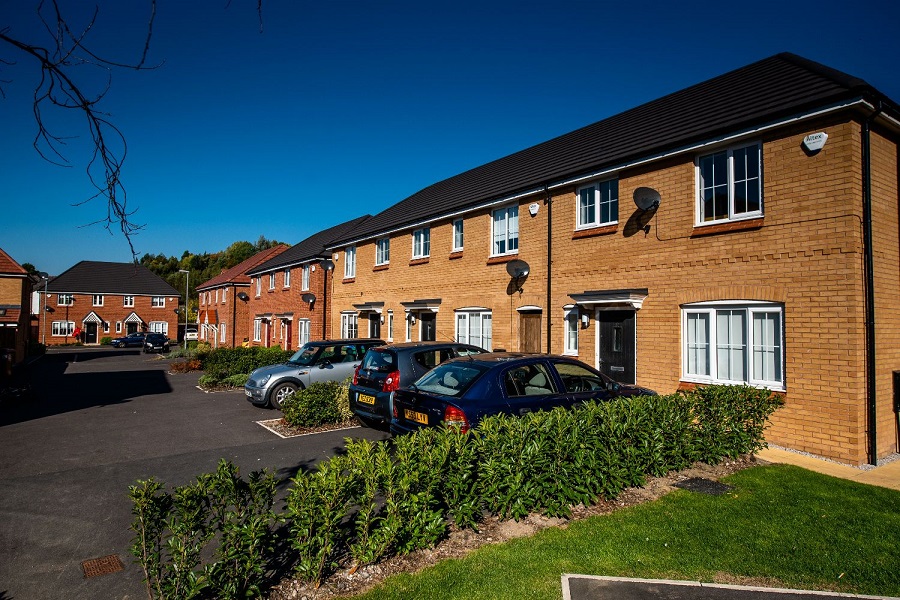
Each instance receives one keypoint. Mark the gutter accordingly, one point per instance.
(549, 202)
(871, 389)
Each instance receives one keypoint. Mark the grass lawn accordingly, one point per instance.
(781, 526)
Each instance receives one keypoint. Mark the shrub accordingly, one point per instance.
(223, 362)
(314, 406)
(208, 381)
(236, 381)
(105, 341)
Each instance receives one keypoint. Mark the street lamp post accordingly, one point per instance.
(46, 279)
(187, 280)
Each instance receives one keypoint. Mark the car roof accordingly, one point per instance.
(344, 341)
(491, 359)
(414, 345)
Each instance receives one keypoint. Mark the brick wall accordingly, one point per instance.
(282, 308)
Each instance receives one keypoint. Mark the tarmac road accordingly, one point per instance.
(101, 420)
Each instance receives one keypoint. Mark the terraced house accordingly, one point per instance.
(743, 230)
(92, 300)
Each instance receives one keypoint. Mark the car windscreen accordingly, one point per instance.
(451, 379)
(305, 356)
(380, 360)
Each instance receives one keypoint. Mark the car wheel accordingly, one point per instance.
(280, 393)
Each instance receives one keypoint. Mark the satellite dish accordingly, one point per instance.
(646, 198)
(308, 298)
(517, 268)
(243, 296)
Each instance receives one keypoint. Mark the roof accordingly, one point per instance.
(779, 87)
(312, 248)
(8, 266)
(238, 273)
(94, 277)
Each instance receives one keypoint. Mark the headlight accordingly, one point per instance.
(264, 380)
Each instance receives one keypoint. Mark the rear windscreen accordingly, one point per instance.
(382, 361)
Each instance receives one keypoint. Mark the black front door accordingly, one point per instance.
(426, 323)
(90, 333)
(616, 347)
(374, 326)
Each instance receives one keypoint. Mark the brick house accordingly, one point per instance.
(15, 307)
(93, 300)
(706, 237)
(223, 316)
(289, 294)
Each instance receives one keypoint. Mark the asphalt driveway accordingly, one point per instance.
(101, 420)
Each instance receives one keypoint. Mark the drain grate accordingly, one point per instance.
(704, 486)
(102, 566)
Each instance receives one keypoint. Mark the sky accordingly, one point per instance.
(338, 109)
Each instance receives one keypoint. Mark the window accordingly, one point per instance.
(421, 243)
(570, 344)
(224, 295)
(474, 327)
(217, 296)
(349, 325)
(505, 231)
(728, 343)
(128, 302)
(730, 184)
(528, 380)
(159, 327)
(222, 333)
(272, 280)
(258, 285)
(303, 331)
(304, 278)
(105, 326)
(62, 328)
(350, 262)
(383, 251)
(457, 235)
(118, 326)
(65, 299)
(97, 300)
(257, 330)
(287, 278)
(158, 302)
(598, 204)
(390, 324)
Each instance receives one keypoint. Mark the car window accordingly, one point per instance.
(382, 361)
(576, 378)
(452, 379)
(528, 380)
(432, 358)
(305, 356)
(468, 350)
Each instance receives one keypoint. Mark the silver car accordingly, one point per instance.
(327, 360)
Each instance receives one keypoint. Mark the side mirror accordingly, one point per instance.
(612, 386)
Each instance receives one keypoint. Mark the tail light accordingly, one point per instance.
(396, 410)
(454, 417)
(356, 374)
(392, 383)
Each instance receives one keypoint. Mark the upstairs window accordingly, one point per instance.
(65, 299)
(505, 231)
(287, 277)
(730, 185)
(598, 204)
(304, 278)
(383, 251)
(258, 285)
(350, 262)
(421, 243)
(272, 280)
(457, 235)
(158, 302)
(128, 302)
(97, 300)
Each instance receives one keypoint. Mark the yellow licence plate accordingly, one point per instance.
(365, 398)
(416, 416)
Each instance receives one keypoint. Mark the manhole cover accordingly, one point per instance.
(102, 566)
(704, 486)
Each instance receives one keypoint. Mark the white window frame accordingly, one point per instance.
(596, 195)
(708, 351)
(466, 322)
(97, 299)
(272, 280)
(65, 300)
(350, 262)
(421, 243)
(349, 325)
(302, 331)
(118, 326)
(221, 333)
(287, 277)
(382, 251)
(62, 328)
(505, 230)
(159, 327)
(257, 330)
(105, 326)
(217, 296)
(128, 301)
(224, 295)
(158, 302)
(390, 326)
(571, 326)
(458, 235)
(258, 286)
(304, 278)
(730, 184)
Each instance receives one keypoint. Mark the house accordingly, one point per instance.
(223, 315)
(93, 300)
(15, 313)
(743, 230)
(288, 302)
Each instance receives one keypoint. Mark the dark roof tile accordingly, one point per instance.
(93, 277)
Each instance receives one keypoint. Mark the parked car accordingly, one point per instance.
(132, 340)
(190, 333)
(327, 360)
(463, 391)
(386, 369)
(156, 342)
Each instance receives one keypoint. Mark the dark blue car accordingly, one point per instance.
(463, 391)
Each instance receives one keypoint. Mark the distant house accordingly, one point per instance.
(223, 316)
(15, 313)
(93, 300)
(289, 294)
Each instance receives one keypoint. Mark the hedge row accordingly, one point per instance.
(224, 362)
(379, 499)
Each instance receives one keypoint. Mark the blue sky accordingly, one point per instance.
(342, 108)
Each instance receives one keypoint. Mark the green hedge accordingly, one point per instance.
(322, 403)
(393, 497)
(221, 363)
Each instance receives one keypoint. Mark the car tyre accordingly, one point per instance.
(282, 392)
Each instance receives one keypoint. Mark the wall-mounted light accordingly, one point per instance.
(381, 318)
(585, 321)
(412, 319)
